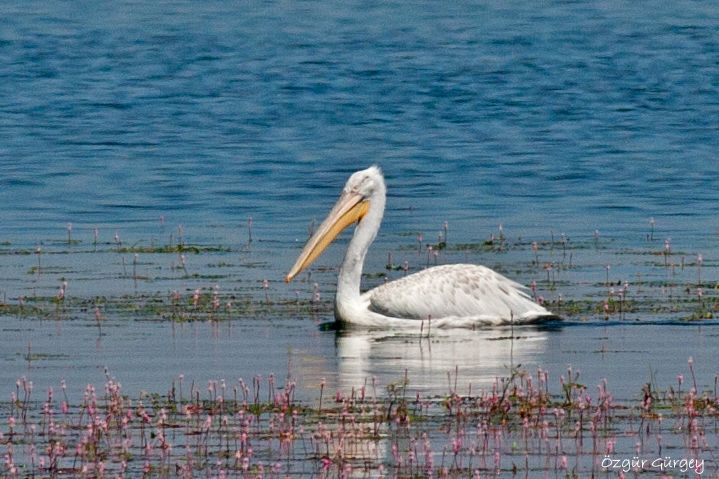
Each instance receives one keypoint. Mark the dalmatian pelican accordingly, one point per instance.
(447, 296)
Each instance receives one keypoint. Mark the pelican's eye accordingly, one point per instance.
(366, 187)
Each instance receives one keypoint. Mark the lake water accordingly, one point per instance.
(158, 122)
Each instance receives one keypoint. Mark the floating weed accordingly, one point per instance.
(23, 310)
(35, 270)
(175, 306)
(178, 248)
(119, 248)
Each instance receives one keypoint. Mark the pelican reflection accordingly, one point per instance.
(462, 359)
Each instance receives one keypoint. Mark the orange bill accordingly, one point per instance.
(350, 208)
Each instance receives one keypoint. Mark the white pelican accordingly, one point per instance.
(458, 295)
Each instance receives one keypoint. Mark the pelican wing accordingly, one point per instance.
(455, 291)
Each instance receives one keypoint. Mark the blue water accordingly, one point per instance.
(575, 117)
(545, 117)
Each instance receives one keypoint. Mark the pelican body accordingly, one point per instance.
(457, 295)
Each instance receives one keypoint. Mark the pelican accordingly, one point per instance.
(448, 296)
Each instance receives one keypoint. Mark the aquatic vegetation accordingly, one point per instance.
(521, 425)
(589, 278)
(177, 248)
(160, 307)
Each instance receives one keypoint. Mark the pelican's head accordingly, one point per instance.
(351, 207)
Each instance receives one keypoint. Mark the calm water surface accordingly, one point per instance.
(546, 118)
